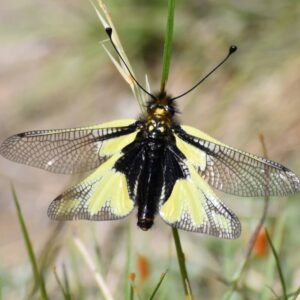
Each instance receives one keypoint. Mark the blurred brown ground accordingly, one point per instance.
(54, 74)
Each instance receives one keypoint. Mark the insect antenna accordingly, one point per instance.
(231, 50)
(109, 33)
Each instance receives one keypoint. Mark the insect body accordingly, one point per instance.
(154, 164)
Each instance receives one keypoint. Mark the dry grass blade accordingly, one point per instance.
(98, 277)
(106, 21)
(123, 72)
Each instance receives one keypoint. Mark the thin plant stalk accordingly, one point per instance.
(251, 243)
(270, 267)
(168, 44)
(37, 276)
(128, 286)
(283, 285)
(64, 290)
(182, 266)
(164, 78)
(131, 294)
(66, 281)
(266, 203)
(162, 277)
(134, 292)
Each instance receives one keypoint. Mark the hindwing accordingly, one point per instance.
(101, 196)
(193, 206)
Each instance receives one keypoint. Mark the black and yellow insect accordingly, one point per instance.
(154, 164)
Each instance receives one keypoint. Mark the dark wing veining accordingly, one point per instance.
(240, 173)
(96, 197)
(64, 151)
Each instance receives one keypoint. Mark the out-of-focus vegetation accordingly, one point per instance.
(54, 73)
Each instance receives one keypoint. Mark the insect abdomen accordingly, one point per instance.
(142, 163)
(150, 184)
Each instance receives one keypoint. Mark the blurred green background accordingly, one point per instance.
(55, 74)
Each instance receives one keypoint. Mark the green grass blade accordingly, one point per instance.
(283, 285)
(182, 266)
(131, 296)
(63, 290)
(37, 276)
(270, 267)
(133, 289)
(66, 282)
(162, 277)
(168, 44)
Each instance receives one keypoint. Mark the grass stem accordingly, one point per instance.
(158, 285)
(39, 280)
(283, 285)
(182, 266)
(168, 44)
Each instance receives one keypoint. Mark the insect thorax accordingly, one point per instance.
(160, 115)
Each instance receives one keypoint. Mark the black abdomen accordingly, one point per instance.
(151, 167)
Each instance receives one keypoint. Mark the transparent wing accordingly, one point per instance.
(95, 198)
(234, 171)
(69, 151)
(193, 206)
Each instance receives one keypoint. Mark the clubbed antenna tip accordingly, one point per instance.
(232, 49)
(108, 31)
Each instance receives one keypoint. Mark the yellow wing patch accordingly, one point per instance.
(115, 145)
(112, 146)
(101, 196)
(200, 134)
(193, 206)
(173, 209)
(194, 155)
(111, 191)
(112, 124)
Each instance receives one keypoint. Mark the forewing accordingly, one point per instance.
(69, 151)
(193, 206)
(101, 196)
(234, 171)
